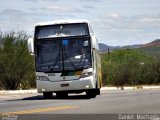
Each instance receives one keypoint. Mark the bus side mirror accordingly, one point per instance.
(31, 46)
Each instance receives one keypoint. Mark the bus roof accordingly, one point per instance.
(61, 22)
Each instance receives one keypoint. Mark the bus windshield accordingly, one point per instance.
(61, 54)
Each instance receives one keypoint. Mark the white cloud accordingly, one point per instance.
(7, 12)
(89, 7)
(32, 9)
(91, 0)
(11, 19)
(31, 0)
(114, 15)
(125, 30)
(51, 0)
(149, 19)
(61, 9)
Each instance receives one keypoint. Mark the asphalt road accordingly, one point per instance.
(109, 102)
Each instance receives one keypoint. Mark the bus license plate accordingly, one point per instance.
(64, 85)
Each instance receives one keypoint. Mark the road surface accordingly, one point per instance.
(109, 102)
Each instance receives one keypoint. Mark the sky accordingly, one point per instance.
(114, 22)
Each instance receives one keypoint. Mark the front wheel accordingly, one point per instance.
(91, 93)
(47, 94)
(98, 91)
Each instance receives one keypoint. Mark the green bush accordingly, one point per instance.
(16, 64)
(130, 67)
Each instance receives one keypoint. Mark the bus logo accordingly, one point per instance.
(51, 74)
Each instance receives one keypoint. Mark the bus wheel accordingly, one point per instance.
(98, 91)
(91, 93)
(47, 94)
(62, 94)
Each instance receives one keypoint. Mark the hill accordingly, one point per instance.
(153, 43)
(152, 47)
(103, 47)
(132, 46)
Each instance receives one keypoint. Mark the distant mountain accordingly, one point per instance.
(152, 47)
(104, 47)
(132, 46)
(153, 43)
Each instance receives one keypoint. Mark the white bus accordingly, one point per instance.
(66, 58)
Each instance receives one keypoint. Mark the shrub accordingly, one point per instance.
(130, 67)
(16, 64)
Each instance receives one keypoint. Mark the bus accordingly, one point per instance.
(67, 58)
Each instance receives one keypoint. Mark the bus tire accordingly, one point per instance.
(47, 94)
(91, 93)
(98, 91)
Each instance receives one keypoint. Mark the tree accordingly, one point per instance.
(16, 64)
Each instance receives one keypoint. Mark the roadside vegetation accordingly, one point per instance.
(125, 67)
(16, 64)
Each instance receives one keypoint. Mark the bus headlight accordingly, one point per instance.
(43, 78)
(86, 74)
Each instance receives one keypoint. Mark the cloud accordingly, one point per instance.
(11, 19)
(10, 12)
(149, 19)
(51, 0)
(114, 15)
(114, 28)
(91, 0)
(125, 22)
(31, 0)
(19, 13)
(62, 9)
(88, 7)
(32, 9)
(42, 0)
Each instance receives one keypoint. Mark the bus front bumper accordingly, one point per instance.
(73, 85)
